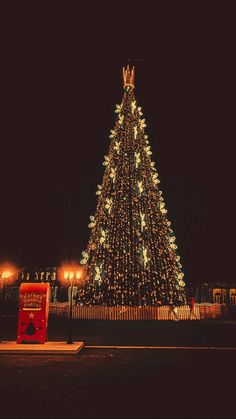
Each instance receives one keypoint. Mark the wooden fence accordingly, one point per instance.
(136, 313)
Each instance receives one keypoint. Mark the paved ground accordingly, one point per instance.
(119, 384)
(126, 383)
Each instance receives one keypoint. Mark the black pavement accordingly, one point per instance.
(124, 383)
(119, 384)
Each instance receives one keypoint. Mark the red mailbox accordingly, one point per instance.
(33, 313)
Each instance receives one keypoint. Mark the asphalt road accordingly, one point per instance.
(119, 384)
(124, 383)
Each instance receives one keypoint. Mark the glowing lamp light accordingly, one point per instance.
(71, 275)
(66, 275)
(6, 274)
(78, 274)
(70, 272)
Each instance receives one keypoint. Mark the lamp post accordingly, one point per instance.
(72, 275)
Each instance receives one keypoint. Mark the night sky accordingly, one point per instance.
(62, 76)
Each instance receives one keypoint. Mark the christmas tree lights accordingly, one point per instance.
(131, 256)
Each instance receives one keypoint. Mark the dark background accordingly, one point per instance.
(62, 66)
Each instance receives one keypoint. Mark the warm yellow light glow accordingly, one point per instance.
(6, 274)
(71, 272)
(78, 274)
(71, 275)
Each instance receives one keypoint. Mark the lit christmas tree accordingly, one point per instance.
(131, 256)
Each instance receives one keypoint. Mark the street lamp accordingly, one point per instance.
(7, 276)
(73, 275)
